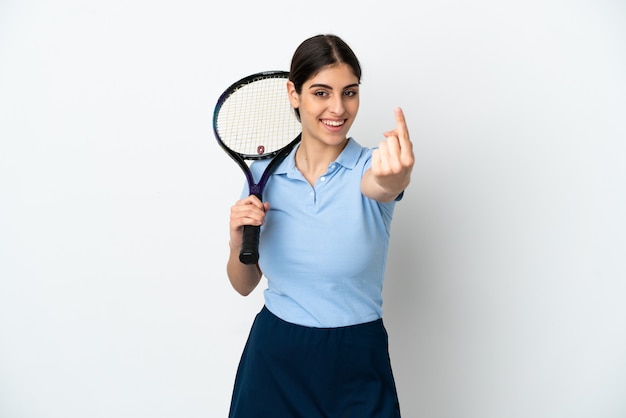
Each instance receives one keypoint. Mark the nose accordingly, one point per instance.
(336, 105)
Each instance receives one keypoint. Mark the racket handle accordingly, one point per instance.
(249, 253)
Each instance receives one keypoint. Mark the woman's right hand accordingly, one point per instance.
(247, 211)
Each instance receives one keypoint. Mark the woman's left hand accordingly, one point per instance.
(393, 161)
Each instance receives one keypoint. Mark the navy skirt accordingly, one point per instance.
(292, 371)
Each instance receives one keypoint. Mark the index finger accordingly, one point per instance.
(401, 128)
(251, 200)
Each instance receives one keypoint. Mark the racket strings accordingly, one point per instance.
(257, 118)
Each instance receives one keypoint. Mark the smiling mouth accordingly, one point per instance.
(334, 123)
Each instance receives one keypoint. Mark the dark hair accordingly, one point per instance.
(316, 53)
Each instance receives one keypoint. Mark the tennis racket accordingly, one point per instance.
(253, 120)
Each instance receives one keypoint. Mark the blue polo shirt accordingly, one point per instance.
(323, 249)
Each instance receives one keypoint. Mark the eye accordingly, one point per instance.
(350, 93)
(320, 93)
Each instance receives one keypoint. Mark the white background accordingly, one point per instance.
(506, 287)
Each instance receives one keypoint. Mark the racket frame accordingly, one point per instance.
(251, 233)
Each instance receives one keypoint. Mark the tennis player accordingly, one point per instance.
(318, 347)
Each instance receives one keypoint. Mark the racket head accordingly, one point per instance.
(253, 118)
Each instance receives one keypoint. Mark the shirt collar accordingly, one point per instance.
(348, 158)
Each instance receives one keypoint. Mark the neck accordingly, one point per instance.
(313, 161)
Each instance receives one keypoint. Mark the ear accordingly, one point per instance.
(294, 97)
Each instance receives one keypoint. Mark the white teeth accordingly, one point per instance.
(333, 122)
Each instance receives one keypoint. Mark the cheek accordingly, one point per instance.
(309, 108)
(354, 106)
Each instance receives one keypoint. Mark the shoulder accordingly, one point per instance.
(355, 156)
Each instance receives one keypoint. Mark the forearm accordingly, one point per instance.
(385, 192)
(243, 277)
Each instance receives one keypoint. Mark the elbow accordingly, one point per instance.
(243, 278)
(243, 291)
(244, 287)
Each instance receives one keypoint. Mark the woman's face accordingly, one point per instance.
(328, 104)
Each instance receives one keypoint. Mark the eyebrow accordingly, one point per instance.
(325, 86)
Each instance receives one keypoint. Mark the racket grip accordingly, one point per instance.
(249, 253)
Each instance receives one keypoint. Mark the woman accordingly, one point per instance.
(318, 348)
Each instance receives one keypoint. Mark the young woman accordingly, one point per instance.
(318, 348)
